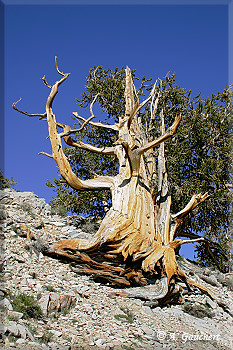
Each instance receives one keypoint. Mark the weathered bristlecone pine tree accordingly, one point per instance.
(136, 242)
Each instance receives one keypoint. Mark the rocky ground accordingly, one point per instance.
(46, 305)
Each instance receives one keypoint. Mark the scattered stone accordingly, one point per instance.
(43, 303)
(16, 315)
(56, 333)
(22, 331)
(81, 314)
(3, 214)
(210, 302)
(210, 279)
(39, 225)
(147, 310)
(100, 342)
(6, 304)
(13, 329)
(7, 343)
(147, 330)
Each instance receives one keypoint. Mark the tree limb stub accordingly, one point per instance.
(46, 154)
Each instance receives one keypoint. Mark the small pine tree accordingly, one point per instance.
(6, 183)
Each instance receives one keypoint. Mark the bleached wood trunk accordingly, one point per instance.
(138, 232)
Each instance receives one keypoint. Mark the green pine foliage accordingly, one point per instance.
(198, 156)
(6, 183)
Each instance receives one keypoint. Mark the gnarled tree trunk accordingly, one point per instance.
(136, 241)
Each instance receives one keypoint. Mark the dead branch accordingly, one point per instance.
(138, 106)
(201, 239)
(88, 147)
(73, 131)
(163, 207)
(151, 292)
(193, 203)
(153, 109)
(42, 116)
(190, 282)
(170, 132)
(92, 103)
(85, 122)
(101, 182)
(46, 154)
(100, 125)
(61, 73)
(79, 144)
(45, 82)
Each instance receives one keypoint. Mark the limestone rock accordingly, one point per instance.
(5, 303)
(77, 311)
(14, 314)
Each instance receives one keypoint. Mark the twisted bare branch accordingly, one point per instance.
(193, 203)
(61, 73)
(45, 82)
(101, 182)
(100, 125)
(70, 142)
(92, 103)
(88, 147)
(170, 132)
(73, 131)
(42, 116)
(86, 121)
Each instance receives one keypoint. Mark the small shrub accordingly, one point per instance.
(50, 289)
(15, 229)
(198, 311)
(12, 338)
(3, 308)
(57, 314)
(27, 209)
(126, 347)
(228, 282)
(58, 209)
(128, 317)
(65, 311)
(74, 320)
(30, 327)
(27, 305)
(123, 318)
(90, 226)
(38, 296)
(54, 315)
(46, 337)
(12, 318)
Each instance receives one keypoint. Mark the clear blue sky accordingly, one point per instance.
(189, 40)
